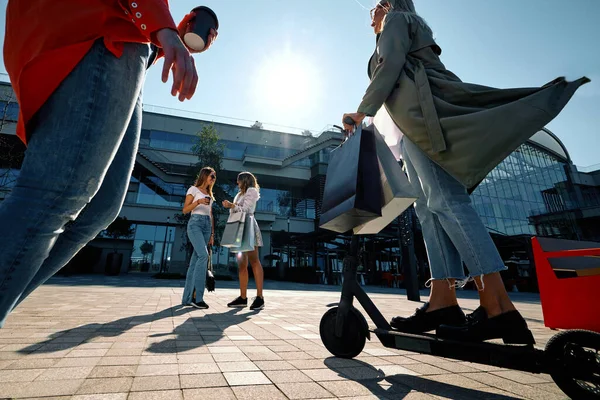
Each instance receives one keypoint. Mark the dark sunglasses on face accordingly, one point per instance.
(213, 176)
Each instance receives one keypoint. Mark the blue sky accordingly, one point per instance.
(302, 63)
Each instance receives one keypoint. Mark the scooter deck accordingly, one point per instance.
(518, 357)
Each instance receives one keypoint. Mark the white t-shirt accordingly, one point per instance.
(389, 130)
(201, 209)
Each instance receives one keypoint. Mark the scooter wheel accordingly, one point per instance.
(353, 338)
(576, 350)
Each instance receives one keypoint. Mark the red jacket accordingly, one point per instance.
(46, 39)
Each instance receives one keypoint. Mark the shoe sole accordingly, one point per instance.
(198, 307)
(257, 308)
(237, 305)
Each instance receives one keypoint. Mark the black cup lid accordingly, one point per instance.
(211, 12)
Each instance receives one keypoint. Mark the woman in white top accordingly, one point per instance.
(200, 230)
(245, 201)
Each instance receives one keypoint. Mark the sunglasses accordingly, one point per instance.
(213, 176)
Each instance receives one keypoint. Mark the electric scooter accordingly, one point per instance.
(571, 357)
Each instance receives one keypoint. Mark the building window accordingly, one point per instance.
(527, 182)
(9, 111)
(148, 244)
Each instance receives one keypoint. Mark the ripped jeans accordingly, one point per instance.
(452, 229)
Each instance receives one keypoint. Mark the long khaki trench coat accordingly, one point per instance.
(465, 128)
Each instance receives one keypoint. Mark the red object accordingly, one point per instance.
(46, 39)
(569, 303)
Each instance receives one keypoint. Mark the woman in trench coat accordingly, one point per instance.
(454, 134)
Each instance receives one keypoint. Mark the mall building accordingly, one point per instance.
(537, 190)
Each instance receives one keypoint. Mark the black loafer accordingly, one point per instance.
(422, 321)
(510, 327)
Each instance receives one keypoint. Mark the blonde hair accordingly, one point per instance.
(203, 176)
(247, 181)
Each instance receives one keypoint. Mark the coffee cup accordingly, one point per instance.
(196, 36)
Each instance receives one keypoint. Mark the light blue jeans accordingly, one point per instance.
(76, 170)
(452, 229)
(199, 229)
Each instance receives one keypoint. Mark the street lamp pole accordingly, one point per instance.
(288, 245)
(162, 259)
(271, 244)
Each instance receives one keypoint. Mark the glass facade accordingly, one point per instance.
(9, 110)
(146, 188)
(233, 150)
(148, 244)
(8, 178)
(284, 201)
(529, 181)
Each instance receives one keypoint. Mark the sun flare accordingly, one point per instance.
(287, 83)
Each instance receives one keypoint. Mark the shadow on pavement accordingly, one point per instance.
(193, 333)
(398, 386)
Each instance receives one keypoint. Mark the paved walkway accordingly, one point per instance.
(100, 338)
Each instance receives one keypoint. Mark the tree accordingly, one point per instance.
(306, 132)
(210, 153)
(146, 248)
(120, 229)
(257, 125)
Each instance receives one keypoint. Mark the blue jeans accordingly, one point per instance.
(76, 170)
(199, 229)
(452, 229)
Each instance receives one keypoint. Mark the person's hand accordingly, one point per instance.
(227, 204)
(356, 117)
(211, 241)
(206, 201)
(182, 28)
(178, 59)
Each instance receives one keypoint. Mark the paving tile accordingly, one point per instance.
(126, 360)
(157, 370)
(274, 365)
(145, 383)
(224, 349)
(20, 375)
(287, 376)
(220, 393)
(104, 396)
(258, 392)
(113, 371)
(237, 366)
(246, 378)
(520, 377)
(203, 368)
(153, 360)
(296, 391)
(346, 388)
(296, 355)
(39, 389)
(157, 395)
(55, 374)
(78, 362)
(202, 381)
(106, 385)
(323, 374)
(425, 369)
(87, 353)
(308, 364)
